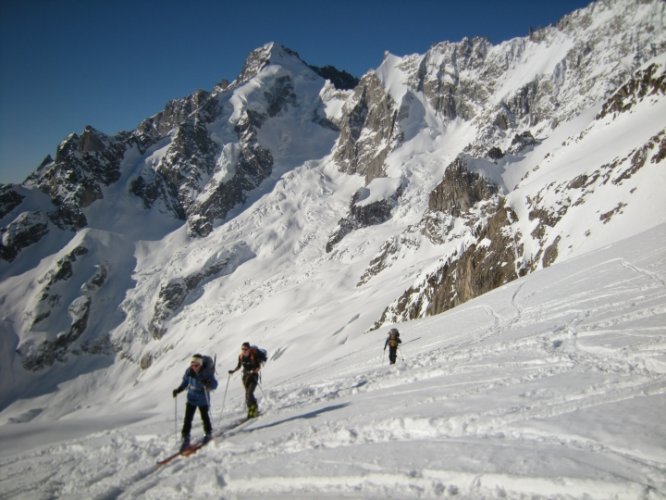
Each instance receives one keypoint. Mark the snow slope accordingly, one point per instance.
(552, 386)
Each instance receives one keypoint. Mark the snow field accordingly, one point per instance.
(550, 387)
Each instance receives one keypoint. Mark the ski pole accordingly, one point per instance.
(175, 419)
(224, 399)
(262, 390)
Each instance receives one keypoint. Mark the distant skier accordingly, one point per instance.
(250, 358)
(199, 379)
(392, 342)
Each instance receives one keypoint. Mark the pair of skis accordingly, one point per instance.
(186, 452)
(194, 447)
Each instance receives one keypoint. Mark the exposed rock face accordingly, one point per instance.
(480, 268)
(340, 79)
(521, 142)
(260, 58)
(495, 153)
(643, 84)
(448, 78)
(176, 112)
(62, 272)
(82, 166)
(54, 299)
(171, 297)
(26, 229)
(362, 215)
(188, 164)
(546, 213)
(460, 195)
(9, 199)
(173, 294)
(390, 252)
(253, 165)
(367, 133)
(459, 190)
(190, 158)
(367, 130)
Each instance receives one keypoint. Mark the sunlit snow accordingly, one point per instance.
(550, 386)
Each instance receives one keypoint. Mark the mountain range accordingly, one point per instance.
(299, 191)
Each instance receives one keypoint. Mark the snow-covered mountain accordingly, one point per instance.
(299, 206)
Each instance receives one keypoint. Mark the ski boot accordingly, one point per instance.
(185, 443)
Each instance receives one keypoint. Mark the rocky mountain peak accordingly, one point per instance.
(175, 113)
(271, 53)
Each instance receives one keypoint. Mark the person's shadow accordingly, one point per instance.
(311, 414)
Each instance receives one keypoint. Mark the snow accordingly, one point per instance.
(378, 189)
(334, 100)
(393, 77)
(537, 59)
(552, 386)
(549, 387)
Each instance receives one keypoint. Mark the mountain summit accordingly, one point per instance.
(296, 191)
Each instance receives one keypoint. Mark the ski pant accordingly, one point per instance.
(189, 415)
(250, 382)
(392, 354)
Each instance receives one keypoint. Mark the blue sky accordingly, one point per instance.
(65, 64)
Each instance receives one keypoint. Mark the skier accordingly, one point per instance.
(392, 342)
(199, 380)
(250, 358)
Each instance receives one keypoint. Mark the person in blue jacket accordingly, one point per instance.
(199, 381)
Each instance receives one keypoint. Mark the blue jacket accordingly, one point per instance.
(196, 392)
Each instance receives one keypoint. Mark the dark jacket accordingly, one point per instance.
(249, 362)
(398, 341)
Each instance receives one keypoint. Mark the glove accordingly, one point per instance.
(175, 392)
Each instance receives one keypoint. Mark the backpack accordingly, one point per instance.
(393, 338)
(207, 367)
(260, 355)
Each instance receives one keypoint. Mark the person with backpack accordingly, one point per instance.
(392, 342)
(199, 379)
(250, 358)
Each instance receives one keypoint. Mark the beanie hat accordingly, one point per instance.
(197, 358)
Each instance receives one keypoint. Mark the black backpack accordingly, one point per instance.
(207, 371)
(261, 355)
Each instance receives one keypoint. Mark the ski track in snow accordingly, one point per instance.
(552, 386)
